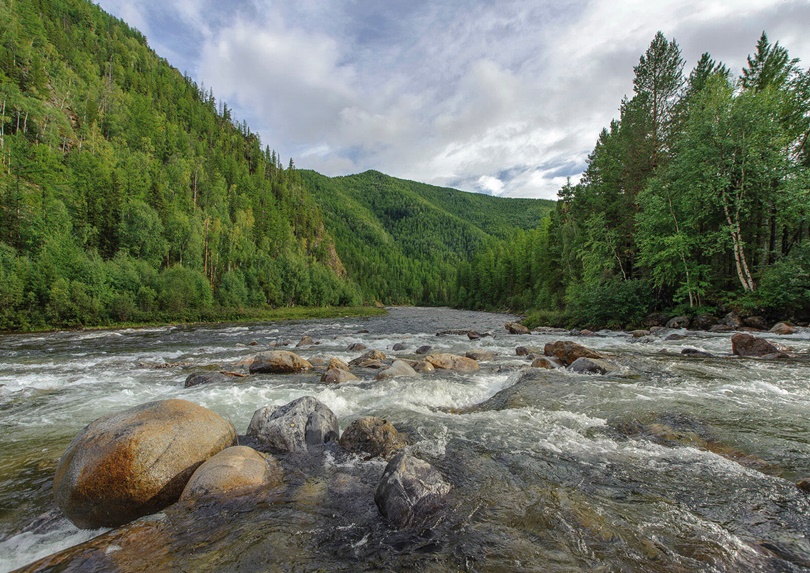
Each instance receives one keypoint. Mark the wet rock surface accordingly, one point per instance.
(295, 427)
(278, 362)
(233, 471)
(411, 492)
(568, 352)
(371, 437)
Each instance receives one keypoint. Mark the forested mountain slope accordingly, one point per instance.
(128, 192)
(695, 200)
(401, 241)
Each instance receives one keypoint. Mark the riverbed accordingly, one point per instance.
(672, 463)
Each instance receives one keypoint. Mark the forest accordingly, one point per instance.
(696, 200)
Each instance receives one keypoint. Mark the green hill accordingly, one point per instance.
(401, 241)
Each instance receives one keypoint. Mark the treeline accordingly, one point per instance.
(127, 192)
(697, 199)
(402, 241)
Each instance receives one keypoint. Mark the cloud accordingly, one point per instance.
(505, 98)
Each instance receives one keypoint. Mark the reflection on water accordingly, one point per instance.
(675, 464)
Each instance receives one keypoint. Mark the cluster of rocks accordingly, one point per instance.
(137, 462)
(729, 323)
(570, 355)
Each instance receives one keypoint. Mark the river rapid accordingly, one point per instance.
(674, 464)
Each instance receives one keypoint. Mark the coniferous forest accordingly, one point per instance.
(129, 193)
(696, 200)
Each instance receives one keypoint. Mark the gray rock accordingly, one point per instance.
(337, 376)
(372, 437)
(703, 321)
(696, 352)
(679, 322)
(296, 426)
(371, 359)
(424, 349)
(134, 463)
(305, 341)
(199, 378)
(399, 346)
(481, 355)
(655, 319)
(399, 369)
(674, 337)
(756, 322)
(732, 320)
(410, 492)
(592, 366)
(527, 350)
(356, 347)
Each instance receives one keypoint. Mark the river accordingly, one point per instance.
(675, 463)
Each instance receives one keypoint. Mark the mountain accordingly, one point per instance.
(401, 241)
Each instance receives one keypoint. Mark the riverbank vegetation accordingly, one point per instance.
(696, 199)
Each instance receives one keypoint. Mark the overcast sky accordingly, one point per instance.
(504, 97)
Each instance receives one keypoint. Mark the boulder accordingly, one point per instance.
(473, 335)
(233, 471)
(398, 369)
(410, 492)
(655, 319)
(424, 367)
(481, 355)
(674, 337)
(586, 332)
(703, 321)
(337, 376)
(371, 359)
(721, 328)
(338, 364)
(696, 352)
(751, 346)
(568, 351)
(585, 365)
(278, 362)
(782, 328)
(356, 347)
(804, 485)
(424, 349)
(372, 437)
(446, 361)
(639, 333)
(296, 426)
(305, 341)
(516, 328)
(732, 320)
(527, 350)
(199, 378)
(399, 346)
(133, 463)
(679, 322)
(544, 362)
(756, 322)
(318, 362)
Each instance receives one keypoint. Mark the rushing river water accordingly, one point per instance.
(675, 464)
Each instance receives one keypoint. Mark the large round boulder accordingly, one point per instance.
(371, 436)
(233, 471)
(398, 369)
(752, 346)
(446, 361)
(133, 463)
(296, 426)
(410, 491)
(278, 362)
(568, 352)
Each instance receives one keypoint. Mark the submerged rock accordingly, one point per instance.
(233, 471)
(399, 346)
(639, 333)
(424, 349)
(586, 365)
(136, 462)
(527, 350)
(296, 426)
(568, 352)
(454, 362)
(752, 346)
(544, 362)
(410, 492)
(372, 436)
(371, 359)
(398, 369)
(278, 362)
(199, 378)
(424, 367)
(481, 355)
(516, 328)
(804, 485)
(305, 341)
(696, 352)
(356, 347)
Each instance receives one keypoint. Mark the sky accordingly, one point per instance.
(502, 97)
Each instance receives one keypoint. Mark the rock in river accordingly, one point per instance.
(278, 362)
(337, 376)
(232, 471)
(516, 328)
(296, 426)
(398, 369)
(372, 436)
(446, 361)
(568, 351)
(751, 346)
(410, 492)
(585, 365)
(136, 462)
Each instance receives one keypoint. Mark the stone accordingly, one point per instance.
(295, 427)
(655, 319)
(516, 328)
(134, 463)
(696, 352)
(356, 347)
(639, 333)
(318, 362)
(305, 341)
(585, 365)
(751, 346)
(337, 376)
(674, 337)
(732, 320)
(783, 328)
(278, 362)
(410, 492)
(480, 355)
(424, 349)
(679, 322)
(544, 362)
(424, 367)
(804, 485)
(756, 322)
(721, 328)
(399, 346)
(586, 332)
(527, 350)
(372, 437)
(371, 359)
(567, 352)
(398, 369)
(338, 364)
(233, 471)
(703, 321)
(445, 361)
(199, 378)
